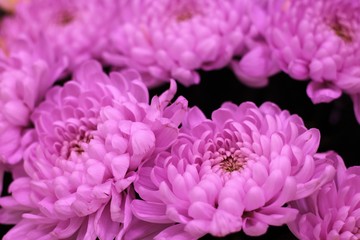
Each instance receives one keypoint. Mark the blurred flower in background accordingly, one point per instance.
(318, 40)
(74, 29)
(172, 39)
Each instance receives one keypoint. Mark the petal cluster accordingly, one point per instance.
(75, 29)
(318, 40)
(92, 134)
(27, 71)
(257, 61)
(333, 212)
(164, 39)
(236, 171)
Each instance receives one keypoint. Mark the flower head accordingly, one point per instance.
(333, 211)
(27, 71)
(164, 39)
(75, 29)
(318, 40)
(93, 133)
(235, 171)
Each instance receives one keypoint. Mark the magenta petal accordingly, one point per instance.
(116, 211)
(286, 194)
(176, 111)
(255, 67)
(175, 232)
(166, 136)
(254, 198)
(323, 92)
(87, 230)
(143, 230)
(350, 81)
(105, 228)
(194, 117)
(151, 212)
(201, 210)
(276, 216)
(142, 139)
(63, 206)
(273, 184)
(309, 140)
(20, 191)
(306, 171)
(220, 116)
(66, 229)
(253, 227)
(197, 227)
(16, 112)
(224, 223)
(120, 166)
(309, 187)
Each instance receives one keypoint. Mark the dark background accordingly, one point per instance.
(336, 120)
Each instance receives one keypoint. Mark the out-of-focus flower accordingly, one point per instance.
(27, 71)
(75, 29)
(234, 172)
(92, 135)
(171, 39)
(334, 211)
(319, 40)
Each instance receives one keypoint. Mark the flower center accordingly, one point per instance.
(184, 16)
(65, 17)
(230, 164)
(228, 161)
(185, 10)
(341, 31)
(339, 25)
(75, 145)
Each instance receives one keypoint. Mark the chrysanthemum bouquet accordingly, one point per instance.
(88, 151)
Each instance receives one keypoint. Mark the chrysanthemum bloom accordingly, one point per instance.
(92, 135)
(334, 211)
(75, 29)
(319, 40)
(27, 70)
(167, 38)
(234, 172)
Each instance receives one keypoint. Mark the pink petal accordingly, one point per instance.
(254, 198)
(151, 212)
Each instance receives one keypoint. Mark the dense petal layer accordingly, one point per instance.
(235, 171)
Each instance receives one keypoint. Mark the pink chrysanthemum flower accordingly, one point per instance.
(164, 39)
(334, 211)
(76, 29)
(319, 40)
(236, 171)
(92, 135)
(27, 71)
